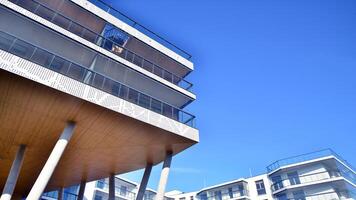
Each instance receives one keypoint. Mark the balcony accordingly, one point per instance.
(82, 74)
(66, 195)
(119, 191)
(114, 12)
(312, 178)
(305, 157)
(234, 194)
(113, 40)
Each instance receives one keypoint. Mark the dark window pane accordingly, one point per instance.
(61, 21)
(22, 49)
(167, 76)
(76, 29)
(76, 72)
(115, 89)
(98, 81)
(90, 36)
(5, 41)
(45, 13)
(129, 56)
(133, 96)
(144, 101)
(293, 178)
(28, 5)
(147, 66)
(156, 106)
(167, 110)
(59, 65)
(158, 71)
(42, 57)
(138, 60)
(123, 92)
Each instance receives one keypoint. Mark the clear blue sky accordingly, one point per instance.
(273, 79)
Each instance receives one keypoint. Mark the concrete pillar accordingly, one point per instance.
(112, 187)
(164, 177)
(14, 174)
(81, 190)
(144, 182)
(53, 159)
(60, 193)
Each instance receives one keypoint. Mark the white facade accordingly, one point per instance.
(325, 177)
(321, 175)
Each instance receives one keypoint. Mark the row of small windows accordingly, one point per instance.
(239, 191)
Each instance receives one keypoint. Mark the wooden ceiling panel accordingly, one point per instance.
(103, 142)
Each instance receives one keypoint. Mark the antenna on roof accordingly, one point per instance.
(250, 172)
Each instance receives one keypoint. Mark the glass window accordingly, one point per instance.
(42, 57)
(22, 49)
(5, 41)
(133, 96)
(123, 190)
(98, 197)
(203, 196)
(293, 178)
(59, 65)
(299, 195)
(182, 198)
(231, 195)
(218, 195)
(241, 190)
(144, 101)
(260, 187)
(277, 182)
(281, 196)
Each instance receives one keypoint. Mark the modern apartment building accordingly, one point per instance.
(87, 93)
(99, 190)
(320, 175)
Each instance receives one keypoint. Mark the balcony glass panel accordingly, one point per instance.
(113, 40)
(89, 77)
(303, 179)
(306, 157)
(104, 6)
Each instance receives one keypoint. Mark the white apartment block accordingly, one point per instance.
(320, 175)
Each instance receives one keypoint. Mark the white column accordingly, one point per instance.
(14, 174)
(164, 177)
(112, 187)
(81, 190)
(144, 181)
(53, 159)
(60, 193)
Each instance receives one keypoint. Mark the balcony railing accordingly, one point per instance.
(82, 74)
(109, 9)
(305, 157)
(99, 40)
(235, 194)
(66, 195)
(118, 190)
(341, 195)
(304, 179)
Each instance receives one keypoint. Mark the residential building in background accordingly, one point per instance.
(99, 190)
(320, 175)
(87, 93)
